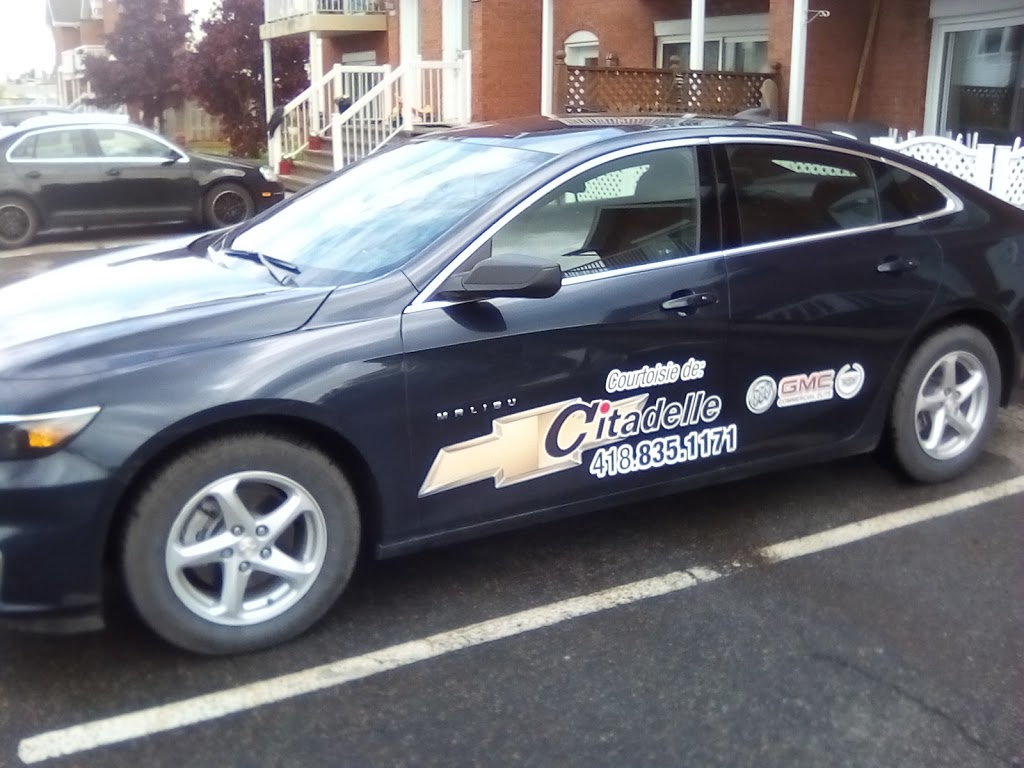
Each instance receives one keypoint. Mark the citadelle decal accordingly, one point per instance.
(805, 388)
(654, 376)
(553, 438)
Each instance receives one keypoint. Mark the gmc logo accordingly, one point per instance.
(804, 383)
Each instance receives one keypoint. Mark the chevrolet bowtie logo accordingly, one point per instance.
(515, 452)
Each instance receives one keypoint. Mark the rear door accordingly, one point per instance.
(147, 178)
(59, 168)
(613, 384)
(829, 276)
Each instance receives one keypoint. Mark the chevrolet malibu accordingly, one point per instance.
(483, 329)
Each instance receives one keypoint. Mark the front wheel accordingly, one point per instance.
(945, 405)
(240, 544)
(226, 205)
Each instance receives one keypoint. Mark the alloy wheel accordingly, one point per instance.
(246, 548)
(15, 223)
(952, 404)
(229, 207)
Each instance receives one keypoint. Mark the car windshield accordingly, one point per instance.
(378, 215)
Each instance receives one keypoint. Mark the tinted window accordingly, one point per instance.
(52, 145)
(904, 195)
(785, 191)
(637, 210)
(118, 143)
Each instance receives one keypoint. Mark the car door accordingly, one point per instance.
(58, 167)
(828, 281)
(612, 384)
(147, 178)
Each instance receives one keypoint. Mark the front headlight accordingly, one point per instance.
(268, 173)
(27, 437)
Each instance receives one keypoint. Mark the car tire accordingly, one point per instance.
(945, 405)
(226, 205)
(209, 537)
(19, 222)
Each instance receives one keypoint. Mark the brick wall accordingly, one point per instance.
(430, 29)
(92, 32)
(64, 39)
(895, 78)
(625, 28)
(505, 39)
(895, 88)
(336, 47)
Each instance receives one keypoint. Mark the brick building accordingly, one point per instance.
(924, 65)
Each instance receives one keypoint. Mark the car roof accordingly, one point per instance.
(75, 118)
(33, 108)
(559, 135)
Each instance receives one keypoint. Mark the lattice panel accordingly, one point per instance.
(1010, 181)
(814, 169)
(621, 90)
(720, 93)
(614, 184)
(959, 162)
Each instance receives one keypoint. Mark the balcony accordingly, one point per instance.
(72, 62)
(331, 17)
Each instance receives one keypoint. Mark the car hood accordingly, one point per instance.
(129, 306)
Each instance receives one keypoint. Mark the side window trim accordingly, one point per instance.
(423, 300)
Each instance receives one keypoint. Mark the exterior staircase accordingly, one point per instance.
(376, 107)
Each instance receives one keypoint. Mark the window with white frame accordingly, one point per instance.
(976, 70)
(731, 43)
(582, 49)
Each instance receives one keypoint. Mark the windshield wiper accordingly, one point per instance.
(274, 265)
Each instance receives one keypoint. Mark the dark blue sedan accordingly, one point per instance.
(483, 329)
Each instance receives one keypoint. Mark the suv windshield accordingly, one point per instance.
(378, 215)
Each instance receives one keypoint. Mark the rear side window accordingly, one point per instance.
(51, 145)
(904, 195)
(784, 192)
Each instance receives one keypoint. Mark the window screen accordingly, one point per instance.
(786, 191)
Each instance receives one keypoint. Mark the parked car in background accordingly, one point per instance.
(477, 330)
(12, 116)
(92, 170)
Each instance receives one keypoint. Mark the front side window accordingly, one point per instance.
(115, 142)
(52, 145)
(783, 191)
(641, 209)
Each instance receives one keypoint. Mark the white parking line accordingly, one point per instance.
(213, 706)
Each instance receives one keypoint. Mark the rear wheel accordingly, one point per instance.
(240, 544)
(19, 222)
(946, 403)
(226, 205)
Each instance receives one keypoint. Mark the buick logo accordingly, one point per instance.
(761, 394)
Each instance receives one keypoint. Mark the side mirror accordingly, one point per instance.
(173, 156)
(524, 277)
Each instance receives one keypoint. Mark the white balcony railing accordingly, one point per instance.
(276, 10)
(72, 62)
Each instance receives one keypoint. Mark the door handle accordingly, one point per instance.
(690, 302)
(896, 265)
(33, 175)
(114, 172)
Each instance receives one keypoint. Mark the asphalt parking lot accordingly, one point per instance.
(790, 620)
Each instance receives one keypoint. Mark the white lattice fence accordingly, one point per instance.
(1008, 174)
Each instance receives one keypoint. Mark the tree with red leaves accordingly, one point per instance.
(140, 69)
(225, 72)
